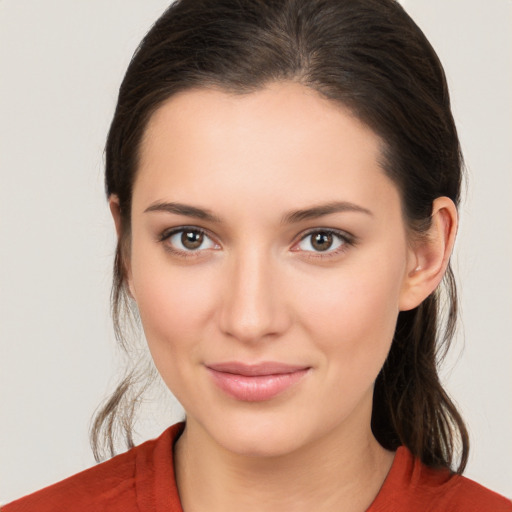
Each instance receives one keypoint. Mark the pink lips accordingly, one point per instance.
(255, 383)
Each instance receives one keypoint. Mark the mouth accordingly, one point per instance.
(258, 382)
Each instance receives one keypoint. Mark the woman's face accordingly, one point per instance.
(269, 261)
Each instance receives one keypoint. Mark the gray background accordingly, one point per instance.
(61, 63)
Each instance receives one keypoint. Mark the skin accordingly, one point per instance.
(258, 290)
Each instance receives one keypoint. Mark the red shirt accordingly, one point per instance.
(142, 480)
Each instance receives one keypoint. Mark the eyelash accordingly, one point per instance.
(347, 240)
(166, 235)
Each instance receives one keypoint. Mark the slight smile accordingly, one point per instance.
(255, 382)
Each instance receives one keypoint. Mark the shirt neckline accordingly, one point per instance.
(157, 490)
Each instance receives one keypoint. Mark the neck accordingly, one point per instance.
(340, 471)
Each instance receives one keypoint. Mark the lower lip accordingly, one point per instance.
(256, 388)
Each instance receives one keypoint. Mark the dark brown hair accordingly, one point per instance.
(367, 55)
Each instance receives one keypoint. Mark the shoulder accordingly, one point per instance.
(97, 488)
(470, 496)
(114, 485)
(411, 485)
(93, 489)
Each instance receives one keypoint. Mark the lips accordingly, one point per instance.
(255, 383)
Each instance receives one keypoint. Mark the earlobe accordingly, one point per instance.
(429, 255)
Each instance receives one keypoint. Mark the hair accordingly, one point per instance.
(367, 55)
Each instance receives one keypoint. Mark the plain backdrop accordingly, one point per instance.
(61, 63)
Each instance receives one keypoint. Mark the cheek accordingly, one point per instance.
(174, 303)
(173, 311)
(351, 314)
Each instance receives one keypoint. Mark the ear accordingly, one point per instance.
(429, 255)
(115, 210)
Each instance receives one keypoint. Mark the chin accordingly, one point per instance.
(262, 435)
(262, 445)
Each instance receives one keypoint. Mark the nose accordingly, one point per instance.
(254, 305)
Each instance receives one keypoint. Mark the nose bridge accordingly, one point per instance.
(253, 306)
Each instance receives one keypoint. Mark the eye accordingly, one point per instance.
(186, 240)
(324, 241)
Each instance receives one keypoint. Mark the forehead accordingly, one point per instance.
(284, 142)
(296, 114)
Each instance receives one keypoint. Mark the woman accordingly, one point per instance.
(283, 177)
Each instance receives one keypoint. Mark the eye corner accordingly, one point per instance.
(341, 241)
(172, 246)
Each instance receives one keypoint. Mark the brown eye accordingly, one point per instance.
(192, 239)
(325, 241)
(321, 241)
(188, 240)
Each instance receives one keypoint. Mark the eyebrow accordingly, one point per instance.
(321, 210)
(184, 209)
(288, 218)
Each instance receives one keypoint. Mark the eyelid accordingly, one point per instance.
(168, 233)
(347, 238)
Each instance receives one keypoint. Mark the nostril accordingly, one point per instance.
(252, 307)
(250, 321)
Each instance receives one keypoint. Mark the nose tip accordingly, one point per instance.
(249, 318)
(253, 307)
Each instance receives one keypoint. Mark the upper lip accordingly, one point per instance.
(259, 369)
